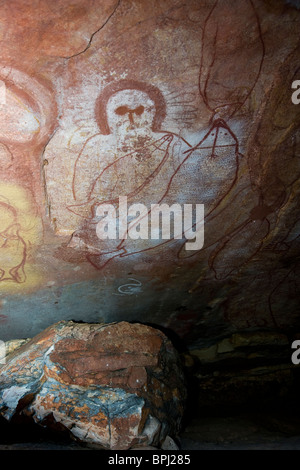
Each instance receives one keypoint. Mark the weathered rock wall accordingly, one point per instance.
(158, 102)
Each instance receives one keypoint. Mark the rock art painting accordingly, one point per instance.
(20, 234)
(140, 167)
(133, 157)
(138, 103)
(225, 93)
(24, 116)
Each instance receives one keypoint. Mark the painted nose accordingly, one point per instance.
(130, 115)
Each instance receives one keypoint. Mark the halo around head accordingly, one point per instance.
(153, 92)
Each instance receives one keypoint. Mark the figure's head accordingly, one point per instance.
(130, 104)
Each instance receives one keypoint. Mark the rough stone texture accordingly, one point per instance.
(159, 101)
(248, 371)
(116, 386)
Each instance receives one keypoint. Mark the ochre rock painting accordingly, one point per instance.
(139, 164)
(159, 103)
(24, 115)
(21, 230)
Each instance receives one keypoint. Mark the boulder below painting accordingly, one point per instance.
(114, 386)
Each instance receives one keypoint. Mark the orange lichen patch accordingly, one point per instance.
(77, 409)
(71, 404)
(57, 374)
(100, 419)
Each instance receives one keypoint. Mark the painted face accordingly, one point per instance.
(128, 110)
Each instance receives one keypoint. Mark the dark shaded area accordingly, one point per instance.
(23, 430)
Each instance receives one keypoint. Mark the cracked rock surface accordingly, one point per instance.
(113, 386)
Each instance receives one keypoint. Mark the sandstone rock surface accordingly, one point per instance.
(112, 385)
(159, 102)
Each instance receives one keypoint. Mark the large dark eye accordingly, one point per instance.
(139, 110)
(122, 110)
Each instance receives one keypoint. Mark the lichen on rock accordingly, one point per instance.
(114, 385)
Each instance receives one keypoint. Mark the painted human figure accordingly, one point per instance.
(137, 160)
(147, 165)
(27, 111)
(13, 248)
(131, 149)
